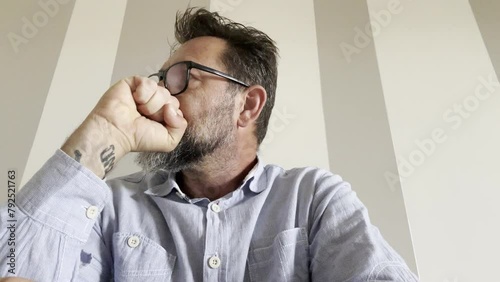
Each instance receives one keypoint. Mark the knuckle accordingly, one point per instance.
(140, 97)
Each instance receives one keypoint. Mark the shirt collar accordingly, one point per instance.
(162, 183)
(252, 178)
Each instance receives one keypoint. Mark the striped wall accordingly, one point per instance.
(397, 96)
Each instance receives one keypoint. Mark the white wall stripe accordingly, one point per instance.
(442, 100)
(81, 76)
(296, 133)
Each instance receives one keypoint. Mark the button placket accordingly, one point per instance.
(213, 240)
(214, 262)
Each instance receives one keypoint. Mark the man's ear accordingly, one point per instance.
(254, 99)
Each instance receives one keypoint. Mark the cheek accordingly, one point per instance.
(197, 114)
(193, 102)
(187, 107)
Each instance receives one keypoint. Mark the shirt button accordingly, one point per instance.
(92, 212)
(215, 207)
(133, 241)
(214, 262)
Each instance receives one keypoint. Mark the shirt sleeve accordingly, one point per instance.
(55, 216)
(345, 246)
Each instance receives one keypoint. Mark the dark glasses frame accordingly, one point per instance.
(162, 75)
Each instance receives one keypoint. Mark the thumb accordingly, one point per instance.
(175, 123)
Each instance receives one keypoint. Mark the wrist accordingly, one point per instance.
(95, 145)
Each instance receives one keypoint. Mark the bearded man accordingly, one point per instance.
(204, 208)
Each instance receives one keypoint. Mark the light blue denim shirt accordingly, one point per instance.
(304, 224)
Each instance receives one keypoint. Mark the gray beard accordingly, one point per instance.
(194, 146)
(187, 154)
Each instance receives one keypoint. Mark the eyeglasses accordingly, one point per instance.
(176, 77)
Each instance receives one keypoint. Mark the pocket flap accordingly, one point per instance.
(137, 256)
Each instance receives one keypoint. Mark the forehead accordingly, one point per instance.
(204, 50)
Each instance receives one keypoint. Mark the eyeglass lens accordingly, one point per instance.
(176, 78)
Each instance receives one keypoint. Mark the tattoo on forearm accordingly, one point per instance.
(78, 155)
(108, 158)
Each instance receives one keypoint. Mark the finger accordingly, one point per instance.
(159, 115)
(175, 123)
(132, 81)
(153, 109)
(142, 88)
(159, 137)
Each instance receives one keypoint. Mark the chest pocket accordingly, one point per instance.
(137, 258)
(284, 257)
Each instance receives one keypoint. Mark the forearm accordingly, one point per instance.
(56, 212)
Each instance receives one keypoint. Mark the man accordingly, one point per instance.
(204, 208)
